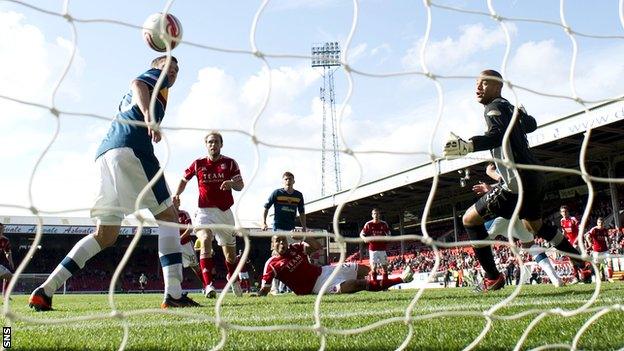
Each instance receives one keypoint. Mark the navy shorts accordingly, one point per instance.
(499, 202)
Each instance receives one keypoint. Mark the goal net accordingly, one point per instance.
(393, 111)
(27, 282)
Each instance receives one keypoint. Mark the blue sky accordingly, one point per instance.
(219, 90)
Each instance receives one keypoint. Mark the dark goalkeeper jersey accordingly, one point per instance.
(498, 114)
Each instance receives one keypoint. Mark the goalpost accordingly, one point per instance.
(336, 243)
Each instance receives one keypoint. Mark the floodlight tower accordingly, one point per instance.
(327, 57)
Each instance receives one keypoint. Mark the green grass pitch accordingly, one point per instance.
(155, 330)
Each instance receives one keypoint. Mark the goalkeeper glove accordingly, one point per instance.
(521, 108)
(456, 146)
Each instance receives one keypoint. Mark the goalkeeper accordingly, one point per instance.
(500, 200)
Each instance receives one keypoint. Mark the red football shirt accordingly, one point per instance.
(294, 269)
(210, 175)
(599, 239)
(376, 229)
(570, 228)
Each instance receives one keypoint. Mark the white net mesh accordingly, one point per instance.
(30, 281)
(250, 131)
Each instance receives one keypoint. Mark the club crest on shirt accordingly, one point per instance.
(223, 166)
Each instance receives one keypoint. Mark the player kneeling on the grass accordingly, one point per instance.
(126, 163)
(291, 265)
(501, 199)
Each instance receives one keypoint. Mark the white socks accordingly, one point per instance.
(544, 262)
(75, 260)
(170, 254)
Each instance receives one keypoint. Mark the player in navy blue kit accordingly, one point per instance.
(286, 201)
(126, 163)
(500, 200)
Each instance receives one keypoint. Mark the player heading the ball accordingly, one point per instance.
(125, 164)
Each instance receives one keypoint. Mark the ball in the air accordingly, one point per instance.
(159, 29)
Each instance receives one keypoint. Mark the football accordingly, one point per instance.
(160, 29)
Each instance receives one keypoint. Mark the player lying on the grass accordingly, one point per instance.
(500, 201)
(286, 202)
(499, 227)
(291, 265)
(125, 163)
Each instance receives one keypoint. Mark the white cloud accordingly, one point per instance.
(411, 131)
(543, 66)
(450, 53)
(63, 180)
(286, 85)
(218, 100)
(212, 102)
(361, 52)
(356, 53)
(383, 48)
(70, 86)
(540, 65)
(384, 51)
(283, 5)
(25, 72)
(32, 66)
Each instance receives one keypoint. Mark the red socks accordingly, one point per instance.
(206, 265)
(374, 285)
(230, 267)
